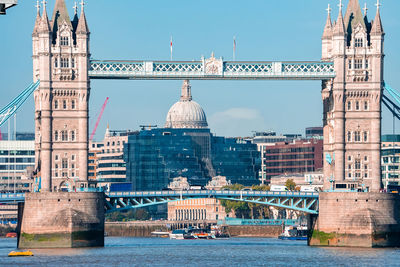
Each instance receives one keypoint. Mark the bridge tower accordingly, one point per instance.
(352, 100)
(60, 60)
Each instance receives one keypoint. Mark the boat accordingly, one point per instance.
(11, 235)
(160, 234)
(294, 233)
(26, 253)
(181, 234)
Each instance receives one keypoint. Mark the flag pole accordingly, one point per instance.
(171, 47)
(234, 48)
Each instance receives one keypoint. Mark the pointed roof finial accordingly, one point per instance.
(329, 9)
(340, 5)
(378, 4)
(75, 7)
(44, 2)
(37, 6)
(82, 4)
(365, 9)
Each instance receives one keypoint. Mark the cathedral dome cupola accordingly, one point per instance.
(186, 113)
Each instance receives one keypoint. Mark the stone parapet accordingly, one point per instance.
(357, 220)
(62, 219)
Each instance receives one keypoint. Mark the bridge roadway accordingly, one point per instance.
(300, 201)
(211, 69)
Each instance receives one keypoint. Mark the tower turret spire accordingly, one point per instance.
(186, 94)
(38, 18)
(82, 24)
(44, 24)
(339, 26)
(328, 25)
(377, 28)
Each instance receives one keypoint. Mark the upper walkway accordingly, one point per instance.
(210, 69)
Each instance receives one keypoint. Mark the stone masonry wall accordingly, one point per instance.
(62, 219)
(357, 219)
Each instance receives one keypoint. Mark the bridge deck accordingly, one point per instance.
(210, 69)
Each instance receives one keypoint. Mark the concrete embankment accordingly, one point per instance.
(144, 229)
(138, 229)
(255, 230)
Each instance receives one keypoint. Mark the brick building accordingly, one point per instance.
(297, 156)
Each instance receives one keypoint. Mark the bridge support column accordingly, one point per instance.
(62, 220)
(357, 220)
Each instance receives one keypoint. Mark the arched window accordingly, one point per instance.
(348, 105)
(365, 136)
(72, 104)
(357, 136)
(348, 136)
(72, 135)
(365, 105)
(64, 104)
(55, 104)
(357, 105)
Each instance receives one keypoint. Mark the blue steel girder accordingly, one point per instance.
(300, 201)
(211, 69)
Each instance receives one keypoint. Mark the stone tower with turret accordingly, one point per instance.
(61, 60)
(352, 101)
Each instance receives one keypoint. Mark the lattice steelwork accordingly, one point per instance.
(211, 69)
(301, 201)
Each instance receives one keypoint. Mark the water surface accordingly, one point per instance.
(129, 251)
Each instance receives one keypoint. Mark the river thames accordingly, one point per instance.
(129, 251)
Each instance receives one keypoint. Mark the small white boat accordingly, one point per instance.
(160, 233)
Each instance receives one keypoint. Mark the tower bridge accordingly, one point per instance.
(351, 71)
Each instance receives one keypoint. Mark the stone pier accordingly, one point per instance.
(357, 220)
(61, 220)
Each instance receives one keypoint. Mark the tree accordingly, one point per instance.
(290, 185)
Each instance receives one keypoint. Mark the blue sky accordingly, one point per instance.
(264, 30)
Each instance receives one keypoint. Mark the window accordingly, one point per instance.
(64, 63)
(359, 42)
(365, 136)
(72, 174)
(56, 157)
(357, 105)
(56, 62)
(72, 104)
(72, 62)
(73, 157)
(366, 167)
(64, 104)
(56, 136)
(349, 175)
(358, 64)
(366, 175)
(357, 165)
(349, 166)
(349, 158)
(72, 135)
(365, 105)
(64, 40)
(56, 165)
(366, 63)
(64, 136)
(357, 136)
(55, 104)
(73, 166)
(65, 163)
(349, 137)
(365, 158)
(348, 105)
(350, 65)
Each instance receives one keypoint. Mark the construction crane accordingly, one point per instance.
(98, 119)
